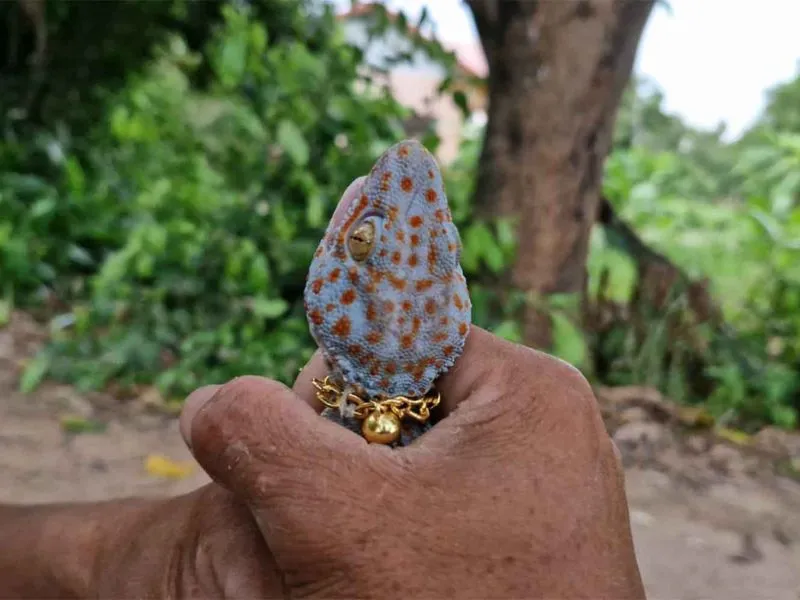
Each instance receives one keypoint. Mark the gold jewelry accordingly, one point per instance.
(381, 418)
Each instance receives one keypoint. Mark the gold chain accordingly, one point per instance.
(381, 417)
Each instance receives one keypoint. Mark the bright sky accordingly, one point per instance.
(713, 59)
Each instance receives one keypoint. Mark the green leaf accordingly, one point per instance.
(269, 308)
(233, 59)
(35, 371)
(508, 330)
(292, 141)
(315, 210)
(460, 99)
(79, 425)
(569, 343)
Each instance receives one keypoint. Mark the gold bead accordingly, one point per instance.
(381, 427)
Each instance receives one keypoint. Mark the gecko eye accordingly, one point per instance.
(361, 240)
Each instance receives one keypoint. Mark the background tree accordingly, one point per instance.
(557, 71)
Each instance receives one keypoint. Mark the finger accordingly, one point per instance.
(258, 439)
(483, 365)
(191, 406)
(496, 385)
(303, 386)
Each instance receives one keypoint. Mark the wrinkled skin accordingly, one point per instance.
(517, 493)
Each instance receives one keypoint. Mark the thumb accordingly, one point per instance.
(260, 440)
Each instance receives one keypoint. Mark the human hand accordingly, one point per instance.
(518, 492)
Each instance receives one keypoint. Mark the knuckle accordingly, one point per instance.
(249, 385)
(558, 386)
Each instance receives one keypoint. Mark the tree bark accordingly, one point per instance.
(557, 71)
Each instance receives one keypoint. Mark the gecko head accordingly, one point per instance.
(386, 299)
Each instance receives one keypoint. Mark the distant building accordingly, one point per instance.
(414, 83)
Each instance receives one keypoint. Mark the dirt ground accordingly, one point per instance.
(710, 520)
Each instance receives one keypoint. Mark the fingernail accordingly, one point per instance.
(191, 406)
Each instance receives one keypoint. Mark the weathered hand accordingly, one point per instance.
(518, 492)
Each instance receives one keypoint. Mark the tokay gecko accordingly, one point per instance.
(386, 299)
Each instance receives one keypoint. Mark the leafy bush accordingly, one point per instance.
(180, 244)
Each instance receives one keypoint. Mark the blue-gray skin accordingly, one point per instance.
(391, 322)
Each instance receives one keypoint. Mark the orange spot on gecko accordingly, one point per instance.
(316, 286)
(402, 151)
(334, 275)
(462, 329)
(431, 195)
(397, 283)
(430, 306)
(391, 368)
(373, 337)
(414, 239)
(382, 252)
(433, 257)
(352, 275)
(400, 235)
(406, 305)
(371, 312)
(385, 179)
(348, 296)
(316, 317)
(329, 307)
(406, 341)
(396, 257)
(444, 320)
(415, 221)
(440, 216)
(439, 337)
(342, 327)
(319, 252)
(406, 184)
(447, 350)
(423, 284)
(354, 349)
(431, 174)
(416, 323)
(388, 306)
(457, 301)
(413, 260)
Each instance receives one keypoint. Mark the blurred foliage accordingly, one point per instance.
(162, 194)
(726, 212)
(174, 242)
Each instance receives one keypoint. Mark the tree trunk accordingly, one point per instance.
(557, 70)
